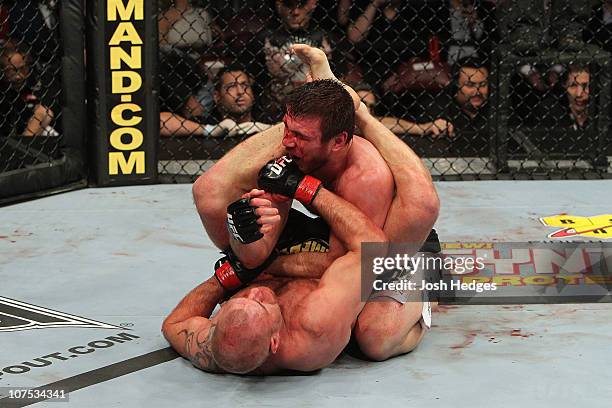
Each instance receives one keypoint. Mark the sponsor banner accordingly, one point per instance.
(126, 111)
(491, 273)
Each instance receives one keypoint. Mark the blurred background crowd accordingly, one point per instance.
(448, 76)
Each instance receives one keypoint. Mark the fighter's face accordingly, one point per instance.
(578, 90)
(296, 14)
(235, 95)
(303, 141)
(472, 88)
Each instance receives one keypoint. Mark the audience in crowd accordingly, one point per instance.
(269, 61)
(465, 102)
(183, 26)
(465, 105)
(469, 29)
(564, 118)
(183, 88)
(234, 101)
(570, 110)
(390, 42)
(22, 113)
(598, 30)
(437, 128)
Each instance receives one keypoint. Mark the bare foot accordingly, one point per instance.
(316, 60)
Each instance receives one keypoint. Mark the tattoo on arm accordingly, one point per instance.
(199, 350)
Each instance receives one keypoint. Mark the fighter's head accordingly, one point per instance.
(576, 81)
(247, 331)
(319, 120)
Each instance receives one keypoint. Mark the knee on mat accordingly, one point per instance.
(376, 337)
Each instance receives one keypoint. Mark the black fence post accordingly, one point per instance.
(122, 64)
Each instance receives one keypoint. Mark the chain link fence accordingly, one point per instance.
(30, 82)
(479, 89)
(42, 98)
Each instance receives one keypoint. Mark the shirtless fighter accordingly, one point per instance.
(279, 324)
(383, 329)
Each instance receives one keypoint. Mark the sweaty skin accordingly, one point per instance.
(363, 175)
(309, 337)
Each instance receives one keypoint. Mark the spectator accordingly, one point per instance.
(183, 88)
(386, 33)
(234, 100)
(274, 66)
(439, 127)
(21, 112)
(572, 111)
(599, 26)
(186, 27)
(465, 106)
(470, 29)
(567, 120)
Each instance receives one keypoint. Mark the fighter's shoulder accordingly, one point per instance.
(367, 165)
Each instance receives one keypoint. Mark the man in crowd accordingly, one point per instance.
(22, 112)
(437, 128)
(234, 101)
(465, 107)
(272, 63)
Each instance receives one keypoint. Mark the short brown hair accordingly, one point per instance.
(326, 99)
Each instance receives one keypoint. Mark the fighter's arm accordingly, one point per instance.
(188, 328)
(272, 218)
(415, 206)
(331, 309)
(378, 183)
(233, 175)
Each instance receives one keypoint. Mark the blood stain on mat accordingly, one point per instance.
(467, 341)
(444, 308)
(519, 333)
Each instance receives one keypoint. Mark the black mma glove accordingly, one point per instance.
(242, 221)
(232, 275)
(282, 176)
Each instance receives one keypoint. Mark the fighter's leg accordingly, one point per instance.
(319, 67)
(233, 175)
(388, 328)
(415, 206)
(385, 329)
